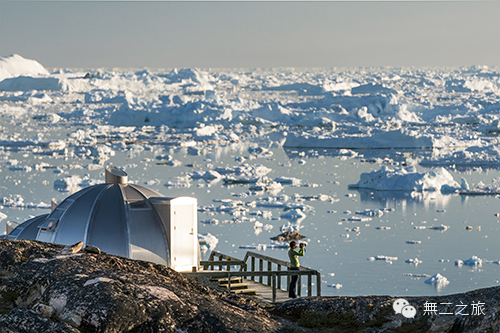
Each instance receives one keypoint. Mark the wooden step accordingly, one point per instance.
(239, 286)
(224, 280)
(245, 291)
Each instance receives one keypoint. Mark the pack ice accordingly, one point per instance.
(373, 108)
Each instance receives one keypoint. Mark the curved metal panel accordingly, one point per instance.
(28, 229)
(147, 192)
(108, 228)
(147, 237)
(76, 195)
(73, 223)
(130, 193)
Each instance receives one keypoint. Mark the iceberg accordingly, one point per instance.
(437, 279)
(15, 65)
(294, 214)
(473, 261)
(207, 242)
(408, 179)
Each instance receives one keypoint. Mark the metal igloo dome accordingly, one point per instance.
(123, 219)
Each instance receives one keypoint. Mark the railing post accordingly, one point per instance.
(299, 285)
(274, 287)
(244, 269)
(253, 268)
(318, 284)
(220, 266)
(279, 278)
(261, 268)
(229, 281)
(288, 281)
(309, 284)
(269, 268)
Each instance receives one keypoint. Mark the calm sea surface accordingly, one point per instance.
(340, 258)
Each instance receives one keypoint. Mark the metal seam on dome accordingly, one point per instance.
(92, 210)
(127, 232)
(80, 194)
(159, 220)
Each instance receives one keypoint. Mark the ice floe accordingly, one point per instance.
(358, 219)
(208, 175)
(287, 180)
(17, 201)
(383, 258)
(414, 261)
(245, 170)
(483, 189)
(271, 246)
(210, 221)
(207, 242)
(383, 228)
(335, 286)
(294, 214)
(473, 261)
(289, 227)
(417, 275)
(74, 183)
(441, 227)
(371, 212)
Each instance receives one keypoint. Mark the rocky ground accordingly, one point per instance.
(376, 313)
(44, 290)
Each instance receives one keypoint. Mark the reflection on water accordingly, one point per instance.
(430, 200)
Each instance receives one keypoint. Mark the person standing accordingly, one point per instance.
(293, 254)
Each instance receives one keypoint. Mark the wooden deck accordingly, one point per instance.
(267, 281)
(266, 292)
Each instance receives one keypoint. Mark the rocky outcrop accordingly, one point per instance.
(43, 290)
(450, 313)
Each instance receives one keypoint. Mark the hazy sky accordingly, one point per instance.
(251, 34)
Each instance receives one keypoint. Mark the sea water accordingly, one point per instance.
(403, 231)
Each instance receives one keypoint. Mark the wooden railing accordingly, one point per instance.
(272, 275)
(223, 260)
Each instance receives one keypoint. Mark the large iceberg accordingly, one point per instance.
(408, 179)
(15, 65)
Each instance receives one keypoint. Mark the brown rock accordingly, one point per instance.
(92, 249)
(72, 249)
(288, 236)
(43, 310)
